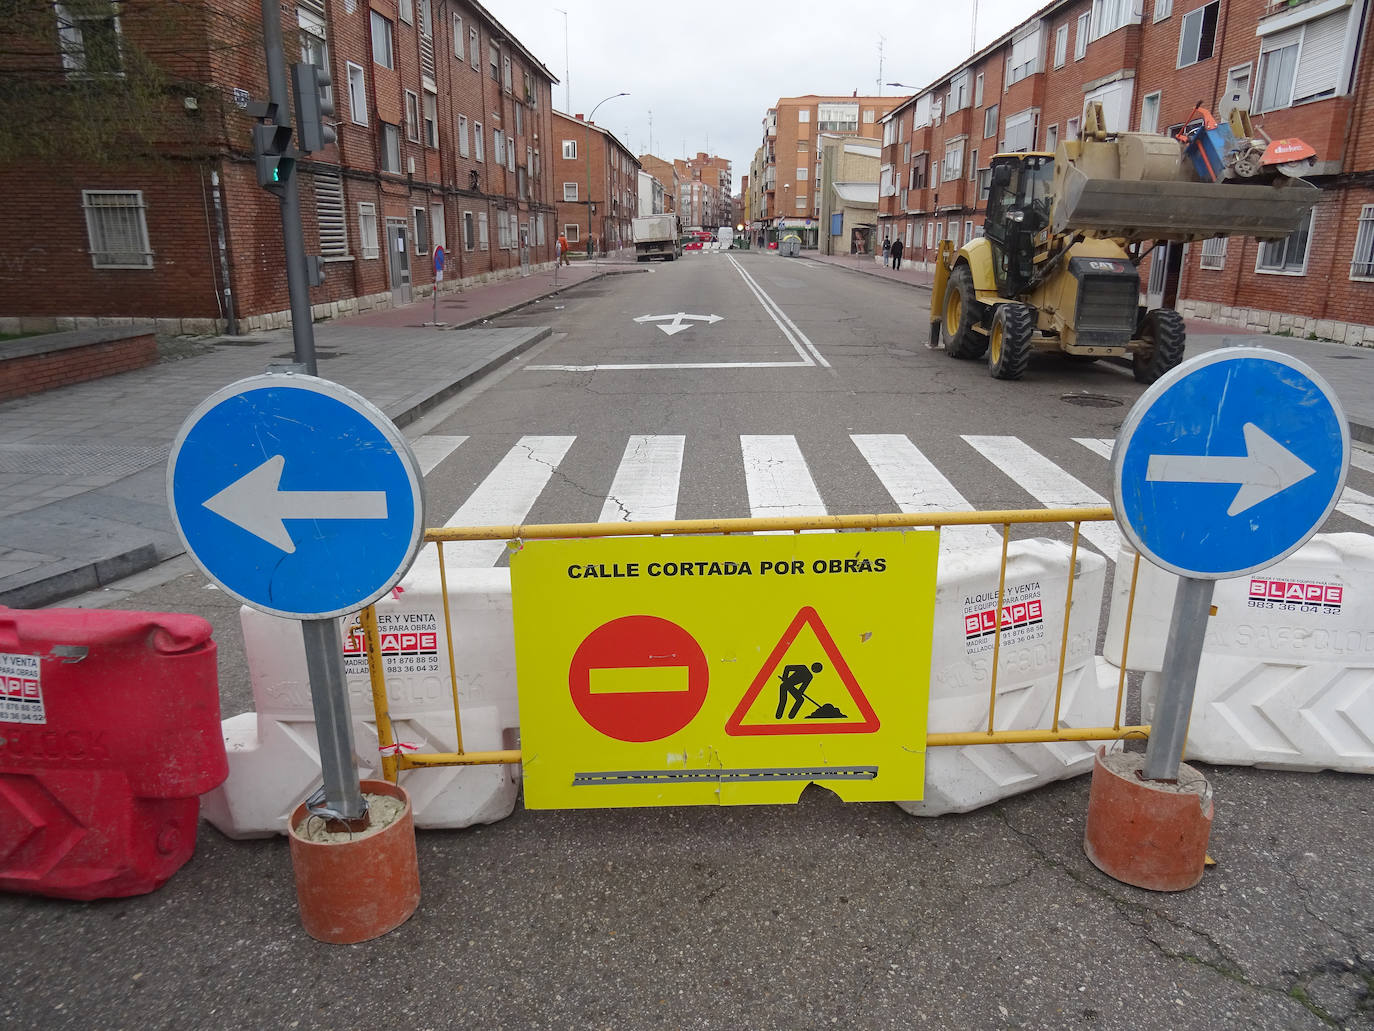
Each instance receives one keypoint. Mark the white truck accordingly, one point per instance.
(657, 235)
(725, 236)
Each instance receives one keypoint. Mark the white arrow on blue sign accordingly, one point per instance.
(296, 496)
(1230, 462)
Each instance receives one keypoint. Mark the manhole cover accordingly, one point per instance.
(1092, 400)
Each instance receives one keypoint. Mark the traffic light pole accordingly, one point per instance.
(293, 239)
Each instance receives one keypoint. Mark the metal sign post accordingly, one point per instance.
(300, 498)
(1227, 464)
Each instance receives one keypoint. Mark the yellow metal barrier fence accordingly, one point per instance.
(393, 763)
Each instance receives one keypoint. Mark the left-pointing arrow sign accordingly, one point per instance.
(1266, 468)
(256, 503)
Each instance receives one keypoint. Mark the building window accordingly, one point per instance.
(494, 59)
(1020, 131)
(1080, 38)
(572, 231)
(357, 94)
(367, 230)
(1024, 59)
(868, 116)
(803, 171)
(570, 192)
(412, 117)
(1287, 256)
(1071, 129)
(483, 241)
(469, 231)
(478, 143)
(88, 34)
(978, 90)
(1110, 15)
(1061, 45)
(1163, 8)
(1149, 113)
(436, 222)
(329, 213)
(406, 10)
(1362, 264)
(990, 122)
(391, 148)
(958, 92)
(836, 117)
(117, 229)
(1198, 35)
(801, 202)
(1213, 253)
(463, 148)
(519, 119)
(382, 49)
(1051, 138)
(954, 161)
(421, 236)
(505, 73)
(984, 184)
(474, 47)
(458, 37)
(498, 146)
(804, 115)
(431, 112)
(569, 150)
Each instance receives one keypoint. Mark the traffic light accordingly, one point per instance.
(314, 103)
(271, 146)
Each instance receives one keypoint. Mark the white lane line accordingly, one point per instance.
(646, 483)
(780, 317)
(1048, 484)
(505, 496)
(1098, 445)
(431, 449)
(916, 485)
(808, 364)
(1357, 505)
(777, 478)
(1362, 459)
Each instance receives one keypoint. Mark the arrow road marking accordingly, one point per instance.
(256, 503)
(676, 326)
(1266, 468)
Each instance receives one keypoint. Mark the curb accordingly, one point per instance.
(477, 320)
(870, 275)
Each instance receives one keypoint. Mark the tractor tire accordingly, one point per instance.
(962, 310)
(1009, 343)
(1164, 331)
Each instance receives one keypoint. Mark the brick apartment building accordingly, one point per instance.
(1302, 66)
(785, 173)
(704, 184)
(590, 155)
(666, 173)
(443, 121)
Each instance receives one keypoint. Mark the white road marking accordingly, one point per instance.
(505, 496)
(646, 482)
(432, 449)
(1048, 484)
(1098, 445)
(917, 486)
(777, 478)
(780, 317)
(1362, 459)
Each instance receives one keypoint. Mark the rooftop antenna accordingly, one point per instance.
(651, 130)
(881, 41)
(567, 70)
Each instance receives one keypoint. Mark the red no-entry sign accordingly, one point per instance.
(638, 678)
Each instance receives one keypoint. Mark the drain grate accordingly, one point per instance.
(1092, 400)
(77, 460)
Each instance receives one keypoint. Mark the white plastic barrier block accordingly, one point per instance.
(1150, 615)
(273, 755)
(959, 779)
(1287, 673)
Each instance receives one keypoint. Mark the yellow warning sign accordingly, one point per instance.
(694, 670)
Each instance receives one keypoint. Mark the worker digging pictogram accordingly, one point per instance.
(837, 702)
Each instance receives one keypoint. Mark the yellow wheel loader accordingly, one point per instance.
(1056, 268)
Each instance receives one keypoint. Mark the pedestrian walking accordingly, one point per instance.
(591, 246)
(563, 249)
(897, 254)
(887, 250)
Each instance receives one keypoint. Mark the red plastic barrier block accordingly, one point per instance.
(109, 734)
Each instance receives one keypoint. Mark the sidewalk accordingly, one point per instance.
(1337, 363)
(83, 468)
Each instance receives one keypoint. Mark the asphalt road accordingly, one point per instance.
(817, 915)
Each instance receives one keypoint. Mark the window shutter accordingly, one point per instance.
(1319, 67)
(329, 211)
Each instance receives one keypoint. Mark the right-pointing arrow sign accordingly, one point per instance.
(1264, 470)
(255, 502)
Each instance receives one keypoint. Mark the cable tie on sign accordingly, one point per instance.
(398, 748)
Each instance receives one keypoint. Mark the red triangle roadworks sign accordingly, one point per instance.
(866, 722)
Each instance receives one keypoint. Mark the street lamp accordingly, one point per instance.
(589, 163)
(902, 85)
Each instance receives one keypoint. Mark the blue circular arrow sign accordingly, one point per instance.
(1229, 462)
(296, 496)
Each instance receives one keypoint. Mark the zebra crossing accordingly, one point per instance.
(779, 482)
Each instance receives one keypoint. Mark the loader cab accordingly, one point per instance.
(1018, 217)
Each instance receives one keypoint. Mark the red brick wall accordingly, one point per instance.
(32, 374)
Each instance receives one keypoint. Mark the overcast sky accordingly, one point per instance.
(709, 69)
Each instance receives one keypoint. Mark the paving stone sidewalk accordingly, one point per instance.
(83, 467)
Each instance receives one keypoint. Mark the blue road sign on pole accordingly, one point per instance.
(439, 259)
(296, 496)
(1229, 462)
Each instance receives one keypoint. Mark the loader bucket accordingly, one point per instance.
(1144, 210)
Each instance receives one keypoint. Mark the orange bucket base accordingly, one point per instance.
(1147, 833)
(352, 891)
